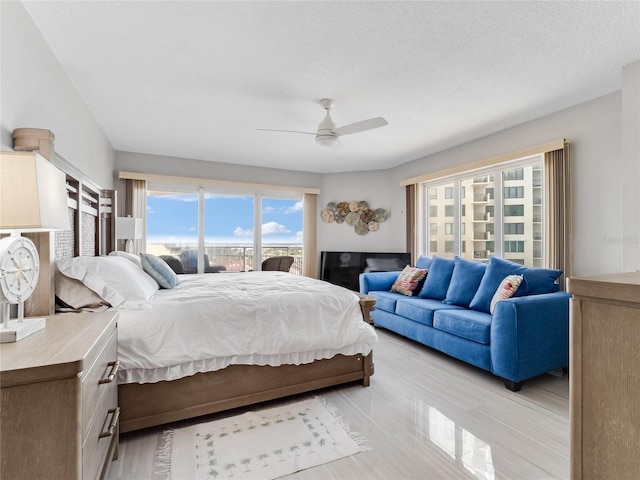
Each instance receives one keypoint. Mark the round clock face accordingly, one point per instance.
(19, 267)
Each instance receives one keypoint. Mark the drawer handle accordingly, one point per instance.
(114, 423)
(112, 374)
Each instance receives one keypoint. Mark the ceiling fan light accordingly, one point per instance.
(326, 140)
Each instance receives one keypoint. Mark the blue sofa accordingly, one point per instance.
(525, 336)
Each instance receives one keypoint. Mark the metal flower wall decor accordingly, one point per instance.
(357, 214)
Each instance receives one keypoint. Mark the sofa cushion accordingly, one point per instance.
(386, 300)
(465, 280)
(423, 262)
(507, 289)
(469, 324)
(409, 281)
(421, 310)
(437, 281)
(536, 281)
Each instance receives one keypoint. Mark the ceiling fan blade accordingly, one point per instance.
(287, 131)
(361, 126)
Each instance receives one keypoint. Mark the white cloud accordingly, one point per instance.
(272, 228)
(295, 208)
(241, 232)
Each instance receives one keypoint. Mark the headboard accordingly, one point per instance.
(92, 221)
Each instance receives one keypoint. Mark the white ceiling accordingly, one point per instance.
(196, 79)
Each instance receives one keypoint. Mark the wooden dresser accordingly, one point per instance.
(60, 399)
(605, 377)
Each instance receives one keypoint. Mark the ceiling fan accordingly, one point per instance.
(328, 133)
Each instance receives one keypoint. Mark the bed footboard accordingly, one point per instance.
(150, 404)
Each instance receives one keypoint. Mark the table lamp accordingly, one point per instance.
(33, 198)
(129, 228)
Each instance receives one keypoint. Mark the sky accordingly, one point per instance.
(228, 219)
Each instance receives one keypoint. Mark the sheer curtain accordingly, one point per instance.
(557, 202)
(310, 235)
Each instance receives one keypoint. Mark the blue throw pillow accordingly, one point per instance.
(423, 262)
(159, 270)
(438, 278)
(465, 280)
(535, 281)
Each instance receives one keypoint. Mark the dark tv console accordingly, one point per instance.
(344, 268)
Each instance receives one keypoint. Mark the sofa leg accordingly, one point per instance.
(511, 385)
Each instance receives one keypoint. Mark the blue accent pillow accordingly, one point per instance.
(465, 280)
(159, 270)
(438, 278)
(423, 262)
(535, 281)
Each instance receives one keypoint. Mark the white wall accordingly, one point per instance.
(185, 167)
(631, 166)
(377, 189)
(35, 92)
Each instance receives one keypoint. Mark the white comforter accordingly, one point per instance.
(211, 321)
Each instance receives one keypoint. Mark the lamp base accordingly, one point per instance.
(18, 329)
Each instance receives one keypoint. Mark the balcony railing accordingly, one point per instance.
(234, 258)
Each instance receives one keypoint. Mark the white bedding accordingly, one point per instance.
(210, 321)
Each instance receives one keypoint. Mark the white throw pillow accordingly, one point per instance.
(117, 280)
(132, 257)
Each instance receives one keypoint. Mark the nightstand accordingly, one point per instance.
(60, 411)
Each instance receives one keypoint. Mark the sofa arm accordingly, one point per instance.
(377, 281)
(530, 335)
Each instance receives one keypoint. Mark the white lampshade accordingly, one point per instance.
(33, 194)
(129, 228)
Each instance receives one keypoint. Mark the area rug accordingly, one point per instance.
(263, 445)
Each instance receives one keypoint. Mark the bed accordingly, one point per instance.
(214, 342)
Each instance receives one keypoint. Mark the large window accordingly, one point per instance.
(498, 210)
(235, 232)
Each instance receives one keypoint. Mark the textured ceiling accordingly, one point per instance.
(196, 79)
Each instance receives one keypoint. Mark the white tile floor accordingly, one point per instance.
(427, 416)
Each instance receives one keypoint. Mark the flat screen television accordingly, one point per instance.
(344, 268)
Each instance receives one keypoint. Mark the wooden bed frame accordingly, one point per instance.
(92, 213)
(151, 404)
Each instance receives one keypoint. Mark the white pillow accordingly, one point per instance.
(115, 279)
(129, 256)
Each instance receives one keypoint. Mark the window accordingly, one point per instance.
(486, 217)
(433, 211)
(238, 231)
(516, 174)
(448, 210)
(513, 192)
(514, 210)
(448, 192)
(514, 228)
(515, 246)
(433, 193)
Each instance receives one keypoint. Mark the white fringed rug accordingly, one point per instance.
(259, 445)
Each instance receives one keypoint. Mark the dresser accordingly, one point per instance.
(605, 376)
(59, 415)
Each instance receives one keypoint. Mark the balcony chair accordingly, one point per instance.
(280, 264)
(189, 260)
